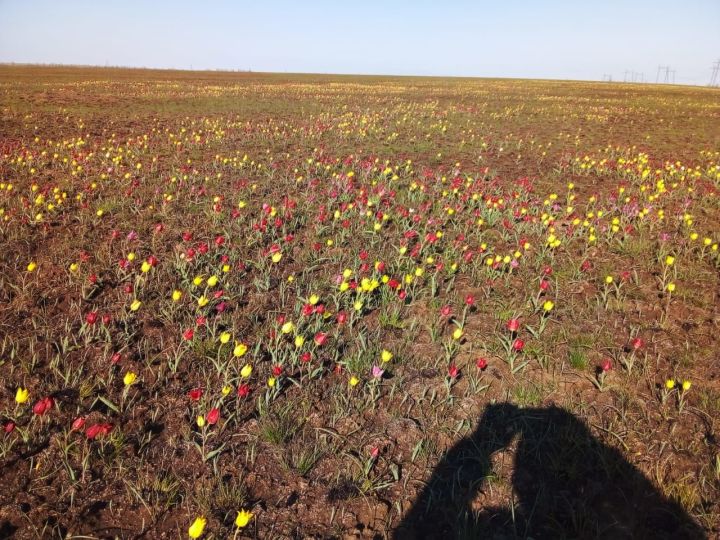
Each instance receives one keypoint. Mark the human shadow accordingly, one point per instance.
(566, 485)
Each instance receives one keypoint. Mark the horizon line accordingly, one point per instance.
(336, 74)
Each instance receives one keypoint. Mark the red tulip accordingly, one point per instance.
(606, 365)
(637, 343)
(453, 371)
(243, 390)
(115, 358)
(9, 426)
(195, 394)
(513, 325)
(305, 357)
(277, 371)
(544, 285)
(106, 319)
(481, 363)
(98, 430)
(213, 416)
(446, 311)
(518, 345)
(187, 236)
(203, 248)
(320, 338)
(78, 423)
(469, 300)
(91, 318)
(188, 334)
(342, 317)
(219, 241)
(43, 406)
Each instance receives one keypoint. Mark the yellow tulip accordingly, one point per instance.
(246, 371)
(243, 518)
(197, 528)
(22, 394)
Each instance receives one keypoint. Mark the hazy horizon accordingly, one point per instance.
(559, 39)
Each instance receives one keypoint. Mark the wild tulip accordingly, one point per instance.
(243, 518)
(213, 416)
(78, 423)
(9, 426)
(305, 357)
(377, 372)
(98, 430)
(22, 395)
(606, 365)
(129, 378)
(513, 325)
(246, 371)
(518, 345)
(341, 317)
(115, 358)
(197, 527)
(106, 319)
(188, 334)
(277, 371)
(320, 338)
(243, 390)
(195, 394)
(91, 318)
(43, 406)
(446, 311)
(453, 371)
(637, 343)
(481, 363)
(469, 300)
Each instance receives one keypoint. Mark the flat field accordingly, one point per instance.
(288, 306)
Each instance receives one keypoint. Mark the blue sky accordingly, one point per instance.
(561, 39)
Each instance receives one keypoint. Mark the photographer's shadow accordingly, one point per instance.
(566, 484)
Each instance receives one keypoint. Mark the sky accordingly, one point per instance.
(553, 39)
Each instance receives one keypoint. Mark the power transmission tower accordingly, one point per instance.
(714, 81)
